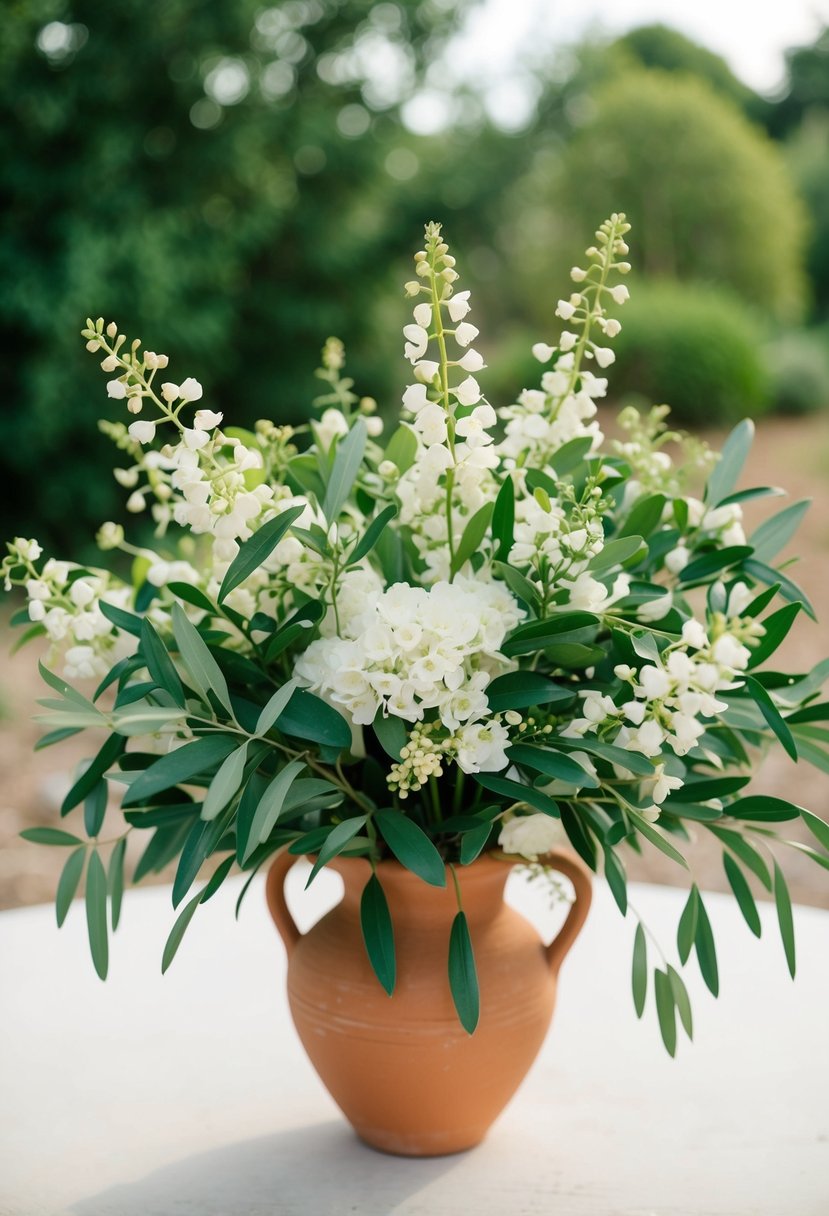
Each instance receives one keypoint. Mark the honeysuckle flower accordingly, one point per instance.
(142, 431)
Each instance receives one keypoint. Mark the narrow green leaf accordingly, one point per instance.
(225, 784)
(217, 878)
(271, 804)
(619, 552)
(347, 462)
(274, 707)
(553, 764)
(335, 842)
(68, 882)
(656, 838)
(473, 842)
(640, 970)
(571, 454)
(463, 977)
(772, 714)
(52, 836)
(411, 846)
(256, 550)
(788, 589)
(401, 449)
(783, 903)
(503, 519)
(665, 1010)
(178, 930)
(704, 567)
(96, 913)
(733, 456)
(202, 668)
(518, 584)
(746, 852)
(91, 775)
(518, 792)
(307, 716)
(192, 595)
(614, 872)
(94, 808)
(473, 535)
(706, 951)
(578, 834)
(180, 766)
(681, 1001)
(817, 826)
(390, 732)
(115, 881)
(378, 933)
(644, 517)
(742, 893)
(525, 689)
(127, 622)
(763, 808)
(776, 626)
(372, 534)
(775, 533)
(687, 928)
(159, 663)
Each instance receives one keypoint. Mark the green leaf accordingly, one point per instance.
(473, 535)
(640, 970)
(217, 878)
(553, 764)
(775, 533)
(270, 714)
(307, 716)
(619, 552)
(127, 622)
(681, 1001)
(665, 1010)
(656, 838)
(706, 788)
(463, 978)
(703, 568)
(706, 951)
(347, 462)
(202, 668)
(570, 455)
(644, 518)
(270, 805)
(728, 468)
(783, 904)
(202, 840)
(776, 626)
(411, 846)
(372, 534)
(390, 732)
(225, 784)
(182, 765)
(70, 877)
(53, 836)
(687, 929)
(578, 834)
(818, 828)
(96, 913)
(335, 842)
(191, 595)
(742, 893)
(772, 714)
(614, 872)
(142, 718)
(631, 762)
(159, 663)
(401, 449)
(523, 690)
(94, 808)
(473, 841)
(56, 736)
(516, 791)
(503, 519)
(787, 589)
(256, 550)
(115, 881)
(763, 808)
(178, 930)
(378, 933)
(746, 852)
(537, 635)
(89, 778)
(518, 584)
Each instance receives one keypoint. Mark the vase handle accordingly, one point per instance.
(571, 867)
(277, 905)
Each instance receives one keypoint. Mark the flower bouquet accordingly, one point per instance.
(491, 634)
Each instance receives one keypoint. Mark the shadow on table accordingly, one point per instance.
(322, 1170)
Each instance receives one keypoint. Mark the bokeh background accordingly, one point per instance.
(234, 181)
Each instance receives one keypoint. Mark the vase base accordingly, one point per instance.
(416, 1144)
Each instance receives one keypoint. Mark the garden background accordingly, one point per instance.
(234, 182)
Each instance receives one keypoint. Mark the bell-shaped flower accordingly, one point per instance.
(466, 333)
(417, 340)
(468, 392)
(458, 306)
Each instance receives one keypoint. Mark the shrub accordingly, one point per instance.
(799, 372)
(696, 348)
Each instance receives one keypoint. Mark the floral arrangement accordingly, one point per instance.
(493, 631)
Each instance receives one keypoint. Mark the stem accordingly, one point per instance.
(435, 793)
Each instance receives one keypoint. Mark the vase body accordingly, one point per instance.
(402, 1069)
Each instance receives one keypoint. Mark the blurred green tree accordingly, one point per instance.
(807, 86)
(229, 181)
(709, 195)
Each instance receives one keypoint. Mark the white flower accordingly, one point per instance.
(472, 361)
(332, 423)
(604, 356)
(206, 420)
(612, 328)
(417, 341)
(423, 315)
(619, 293)
(28, 550)
(414, 398)
(36, 589)
(565, 309)
(136, 502)
(195, 438)
(531, 836)
(677, 559)
(142, 432)
(465, 333)
(458, 306)
(468, 392)
(374, 426)
(190, 390)
(170, 392)
(693, 634)
(481, 747)
(542, 352)
(116, 389)
(37, 610)
(426, 370)
(431, 424)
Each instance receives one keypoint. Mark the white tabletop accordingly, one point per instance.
(191, 1096)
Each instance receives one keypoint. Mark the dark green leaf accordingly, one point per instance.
(687, 929)
(776, 626)
(705, 788)
(742, 893)
(56, 736)
(270, 805)
(217, 878)
(656, 838)
(402, 448)
(665, 1009)
(378, 933)
(53, 836)
(70, 877)
(372, 534)
(309, 717)
(202, 668)
(473, 841)
(681, 1001)
(165, 844)
(762, 807)
(257, 549)
(553, 764)
(473, 534)
(411, 846)
(746, 852)
(536, 635)
(640, 970)
(524, 689)
(706, 951)
(94, 808)
(772, 714)
(503, 519)
(784, 917)
(516, 791)
(192, 595)
(618, 552)
(127, 622)
(705, 567)
(614, 872)
(96, 913)
(818, 828)
(346, 466)
(570, 455)
(390, 732)
(182, 765)
(518, 584)
(578, 834)
(335, 842)
(788, 589)
(202, 840)
(89, 778)
(115, 881)
(159, 663)
(178, 930)
(631, 762)
(463, 978)
(644, 518)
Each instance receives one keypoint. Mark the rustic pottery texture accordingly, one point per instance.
(405, 1073)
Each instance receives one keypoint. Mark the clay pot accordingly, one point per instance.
(403, 1070)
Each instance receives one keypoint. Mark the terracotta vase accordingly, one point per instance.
(405, 1073)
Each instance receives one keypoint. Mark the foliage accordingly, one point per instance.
(698, 179)
(447, 643)
(798, 363)
(696, 348)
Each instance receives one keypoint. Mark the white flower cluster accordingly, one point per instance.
(671, 696)
(414, 650)
(450, 478)
(723, 525)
